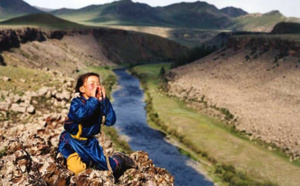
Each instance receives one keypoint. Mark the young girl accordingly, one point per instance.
(87, 112)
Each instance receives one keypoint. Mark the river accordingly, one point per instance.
(132, 122)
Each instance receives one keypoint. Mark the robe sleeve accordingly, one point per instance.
(80, 112)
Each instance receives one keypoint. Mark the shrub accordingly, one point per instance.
(3, 152)
(162, 71)
(247, 57)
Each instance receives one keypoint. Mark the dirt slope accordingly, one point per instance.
(72, 50)
(63, 55)
(257, 80)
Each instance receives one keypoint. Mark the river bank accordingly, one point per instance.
(234, 160)
(132, 125)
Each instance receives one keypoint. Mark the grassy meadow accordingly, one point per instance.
(24, 79)
(38, 20)
(227, 157)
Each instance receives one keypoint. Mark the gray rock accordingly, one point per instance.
(4, 78)
(16, 98)
(31, 109)
(53, 93)
(23, 80)
(4, 106)
(66, 95)
(4, 93)
(31, 94)
(3, 115)
(59, 96)
(23, 104)
(17, 108)
(43, 91)
(69, 84)
(26, 98)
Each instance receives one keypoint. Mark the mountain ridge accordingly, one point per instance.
(197, 14)
(11, 8)
(233, 12)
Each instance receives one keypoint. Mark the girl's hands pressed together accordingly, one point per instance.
(100, 93)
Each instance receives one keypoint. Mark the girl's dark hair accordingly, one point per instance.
(81, 79)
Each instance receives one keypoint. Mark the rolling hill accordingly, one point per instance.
(233, 12)
(125, 12)
(199, 15)
(286, 28)
(259, 22)
(13, 8)
(189, 15)
(122, 12)
(42, 20)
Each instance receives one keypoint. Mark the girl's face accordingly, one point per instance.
(89, 86)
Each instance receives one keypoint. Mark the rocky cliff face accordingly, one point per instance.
(39, 49)
(30, 129)
(286, 28)
(131, 47)
(287, 46)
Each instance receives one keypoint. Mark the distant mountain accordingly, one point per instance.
(286, 28)
(125, 12)
(233, 12)
(44, 9)
(258, 22)
(12, 8)
(42, 20)
(184, 15)
(198, 15)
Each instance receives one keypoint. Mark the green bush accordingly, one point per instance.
(247, 58)
(3, 152)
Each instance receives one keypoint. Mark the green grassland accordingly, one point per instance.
(248, 23)
(23, 79)
(41, 20)
(231, 158)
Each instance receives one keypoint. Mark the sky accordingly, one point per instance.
(289, 8)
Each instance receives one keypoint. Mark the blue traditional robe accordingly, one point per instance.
(84, 121)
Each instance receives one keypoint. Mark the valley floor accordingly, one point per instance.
(249, 162)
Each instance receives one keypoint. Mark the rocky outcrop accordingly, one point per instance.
(286, 28)
(30, 128)
(118, 46)
(8, 39)
(265, 43)
(14, 38)
(32, 158)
